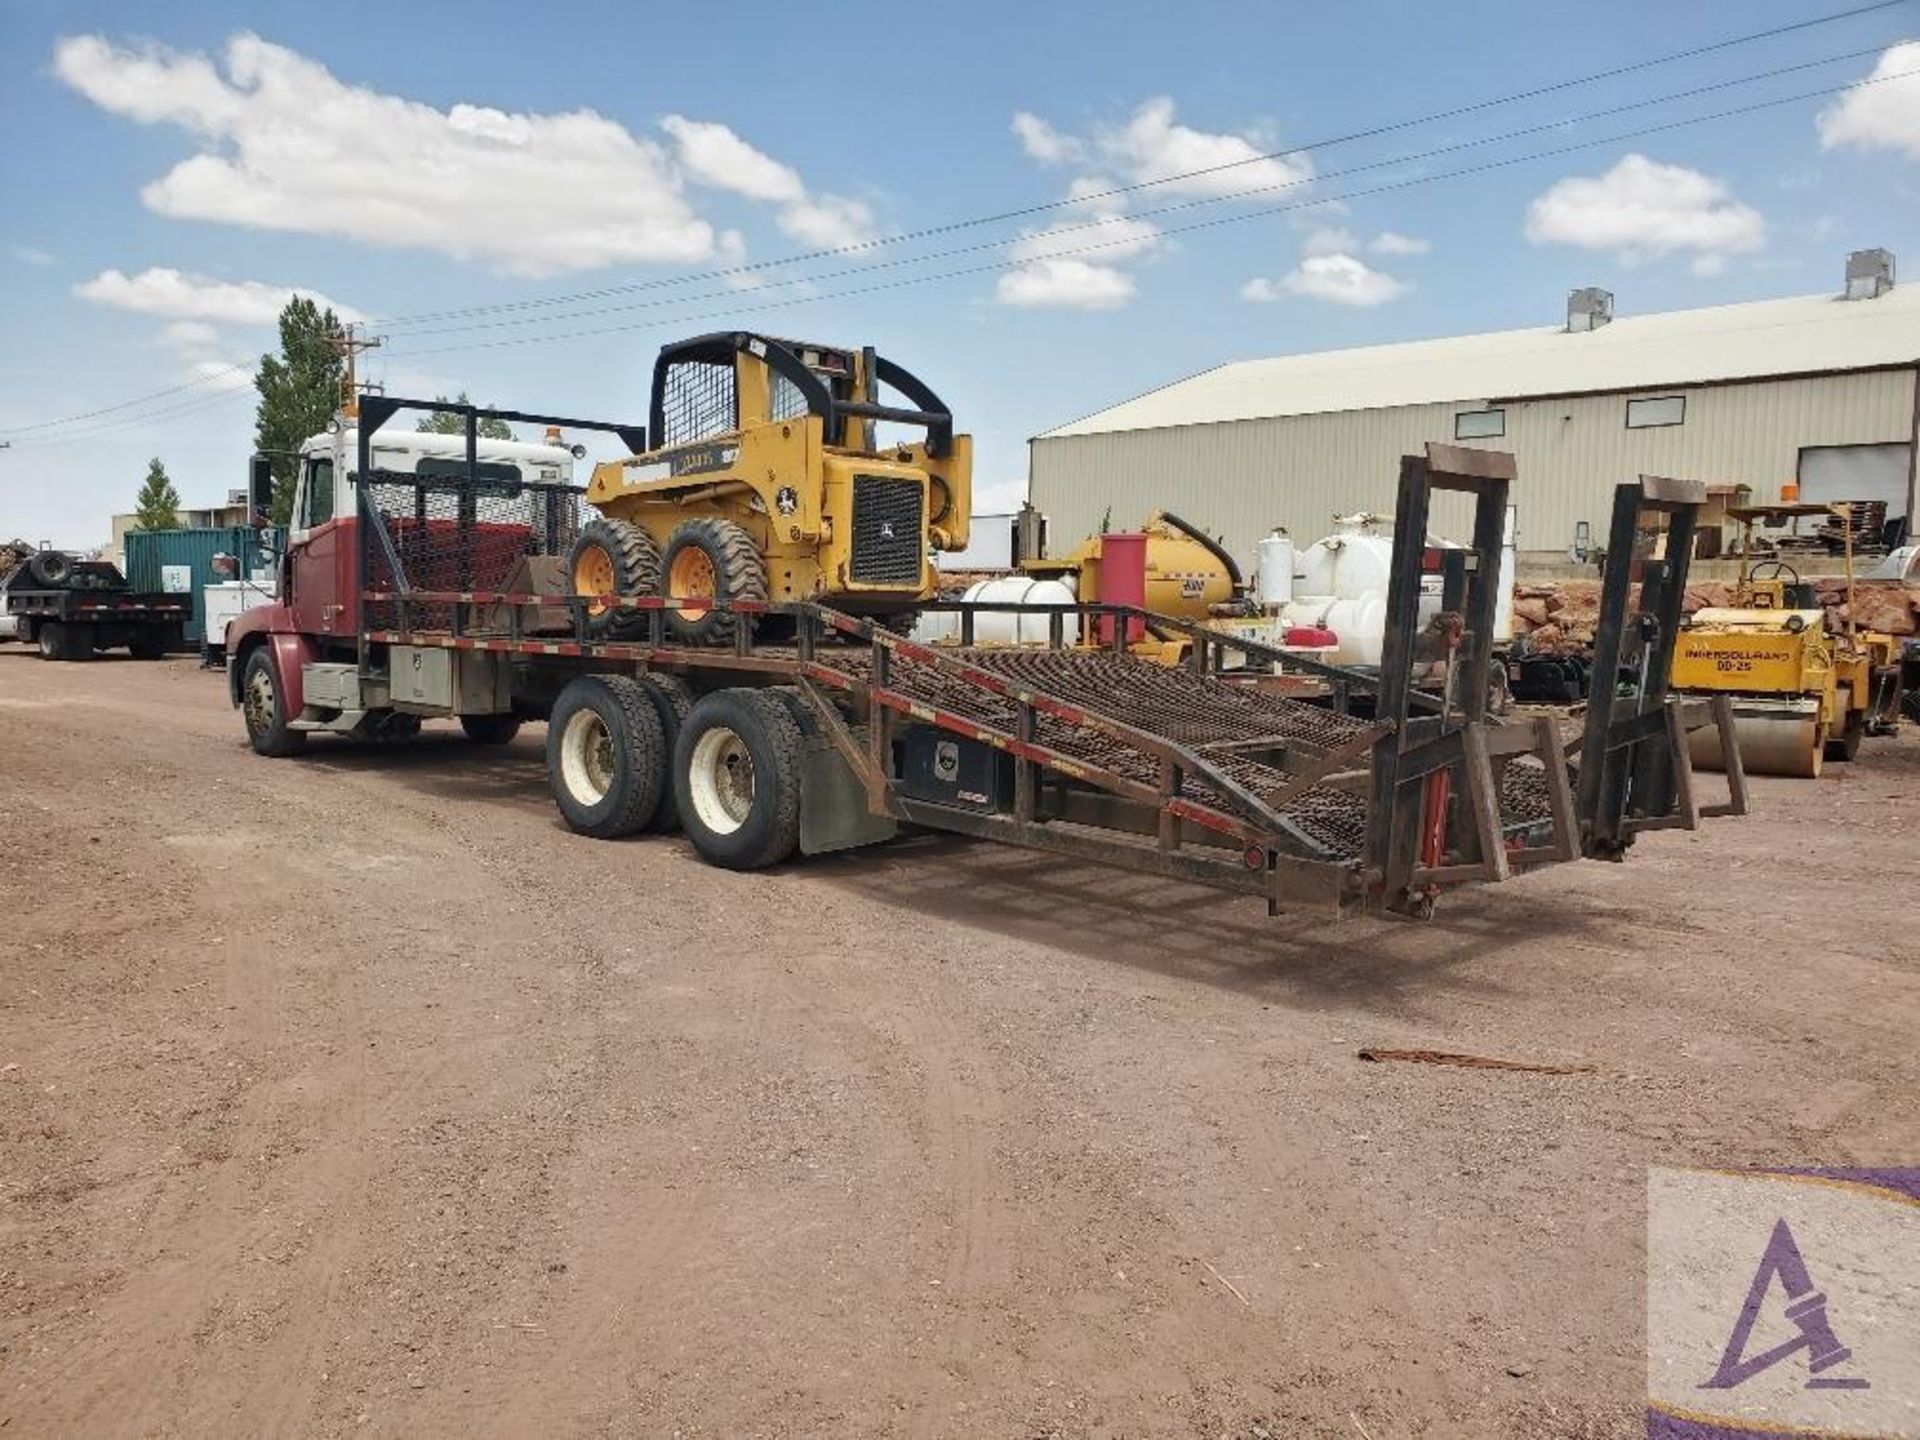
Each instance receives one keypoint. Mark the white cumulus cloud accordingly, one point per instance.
(1392, 242)
(1880, 116)
(286, 145)
(830, 222)
(1642, 210)
(1076, 264)
(1339, 279)
(713, 154)
(1152, 145)
(1065, 284)
(178, 295)
(1044, 143)
(1079, 263)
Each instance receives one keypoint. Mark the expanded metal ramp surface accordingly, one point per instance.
(1249, 736)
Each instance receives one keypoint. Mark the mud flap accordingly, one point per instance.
(833, 804)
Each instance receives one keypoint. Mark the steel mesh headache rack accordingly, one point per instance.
(1196, 772)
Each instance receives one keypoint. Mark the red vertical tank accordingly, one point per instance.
(1123, 580)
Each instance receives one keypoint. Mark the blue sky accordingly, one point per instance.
(170, 171)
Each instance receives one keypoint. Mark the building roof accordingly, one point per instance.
(1802, 335)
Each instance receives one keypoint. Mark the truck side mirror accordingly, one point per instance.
(260, 489)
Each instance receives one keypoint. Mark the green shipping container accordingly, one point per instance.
(151, 552)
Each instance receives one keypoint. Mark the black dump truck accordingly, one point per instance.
(74, 608)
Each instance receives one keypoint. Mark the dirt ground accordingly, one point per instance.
(352, 1095)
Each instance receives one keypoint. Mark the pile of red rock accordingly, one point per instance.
(1560, 616)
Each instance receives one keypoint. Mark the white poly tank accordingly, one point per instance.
(1360, 624)
(1346, 566)
(1002, 628)
(1274, 575)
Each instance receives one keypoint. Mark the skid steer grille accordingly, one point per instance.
(888, 547)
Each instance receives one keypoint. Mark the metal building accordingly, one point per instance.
(1822, 391)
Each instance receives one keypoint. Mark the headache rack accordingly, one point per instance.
(1400, 787)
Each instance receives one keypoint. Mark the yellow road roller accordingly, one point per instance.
(1802, 692)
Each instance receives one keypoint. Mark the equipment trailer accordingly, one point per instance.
(846, 732)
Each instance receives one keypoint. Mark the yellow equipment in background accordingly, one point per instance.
(765, 481)
(1168, 566)
(1801, 692)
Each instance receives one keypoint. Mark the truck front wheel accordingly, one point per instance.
(606, 756)
(149, 644)
(264, 709)
(62, 641)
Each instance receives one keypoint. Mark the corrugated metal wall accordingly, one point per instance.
(148, 550)
(1241, 478)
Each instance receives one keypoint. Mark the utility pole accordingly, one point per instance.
(350, 342)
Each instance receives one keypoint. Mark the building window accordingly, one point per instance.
(1479, 424)
(1660, 410)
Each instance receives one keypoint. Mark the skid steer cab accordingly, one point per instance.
(777, 473)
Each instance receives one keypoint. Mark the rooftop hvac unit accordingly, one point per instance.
(1869, 274)
(1588, 308)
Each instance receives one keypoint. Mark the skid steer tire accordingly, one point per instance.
(672, 701)
(265, 711)
(606, 756)
(490, 729)
(614, 557)
(710, 557)
(736, 778)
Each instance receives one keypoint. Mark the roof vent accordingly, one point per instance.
(1869, 274)
(1588, 309)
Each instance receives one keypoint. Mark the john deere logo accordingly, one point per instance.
(786, 500)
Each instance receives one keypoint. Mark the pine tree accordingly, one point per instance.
(449, 422)
(158, 505)
(299, 391)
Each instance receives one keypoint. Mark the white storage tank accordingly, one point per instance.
(1273, 574)
(1004, 627)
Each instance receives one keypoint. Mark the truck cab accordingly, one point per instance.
(315, 619)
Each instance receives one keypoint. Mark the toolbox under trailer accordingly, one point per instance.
(815, 730)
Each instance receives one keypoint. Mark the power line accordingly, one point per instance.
(1209, 224)
(1041, 207)
(1177, 207)
(925, 232)
(1214, 222)
(195, 383)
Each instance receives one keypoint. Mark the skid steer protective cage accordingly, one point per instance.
(1194, 772)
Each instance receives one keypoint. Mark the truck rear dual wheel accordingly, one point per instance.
(736, 778)
(148, 645)
(606, 756)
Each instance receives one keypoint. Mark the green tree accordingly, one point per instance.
(451, 422)
(299, 391)
(158, 505)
